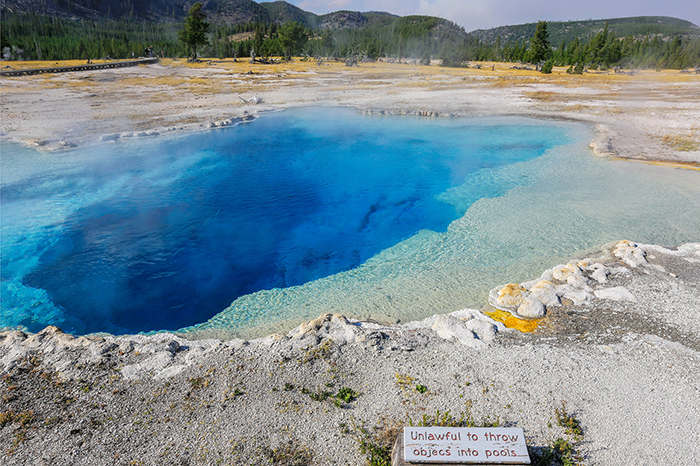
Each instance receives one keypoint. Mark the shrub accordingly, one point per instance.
(547, 67)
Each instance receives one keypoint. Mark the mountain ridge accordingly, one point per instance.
(230, 12)
(636, 26)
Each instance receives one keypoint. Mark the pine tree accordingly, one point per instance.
(292, 38)
(196, 28)
(539, 44)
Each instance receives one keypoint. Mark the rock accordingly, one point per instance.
(333, 326)
(236, 343)
(84, 342)
(341, 331)
(602, 147)
(617, 293)
(578, 281)
(531, 307)
(99, 349)
(577, 295)
(484, 330)
(547, 275)
(170, 372)
(109, 137)
(155, 363)
(171, 346)
(546, 293)
(374, 338)
(511, 295)
(600, 274)
(253, 100)
(690, 252)
(310, 326)
(473, 315)
(51, 330)
(40, 339)
(602, 144)
(126, 347)
(563, 272)
(618, 270)
(13, 338)
(630, 253)
(528, 285)
(271, 339)
(451, 328)
(193, 355)
(309, 341)
(13, 358)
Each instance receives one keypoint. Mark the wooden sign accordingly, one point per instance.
(465, 445)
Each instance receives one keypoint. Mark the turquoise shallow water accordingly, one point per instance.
(310, 211)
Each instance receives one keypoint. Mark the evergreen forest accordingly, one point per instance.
(40, 37)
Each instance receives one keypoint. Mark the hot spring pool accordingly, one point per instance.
(247, 230)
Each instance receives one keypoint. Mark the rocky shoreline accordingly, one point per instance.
(625, 329)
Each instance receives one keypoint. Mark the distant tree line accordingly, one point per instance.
(605, 50)
(267, 40)
(35, 37)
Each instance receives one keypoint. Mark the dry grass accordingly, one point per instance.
(681, 142)
(544, 96)
(240, 36)
(53, 81)
(576, 108)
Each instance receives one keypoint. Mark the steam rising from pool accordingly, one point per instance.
(310, 211)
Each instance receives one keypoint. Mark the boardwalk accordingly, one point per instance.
(65, 69)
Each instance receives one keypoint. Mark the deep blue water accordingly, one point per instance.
(163, 234)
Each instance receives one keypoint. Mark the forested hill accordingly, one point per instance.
(218, 11)
(567, 31)
(281, 12)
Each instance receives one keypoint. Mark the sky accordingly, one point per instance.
(485, 14)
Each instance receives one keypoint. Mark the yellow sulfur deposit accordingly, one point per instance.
(510, 321)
